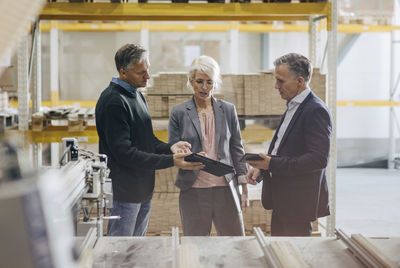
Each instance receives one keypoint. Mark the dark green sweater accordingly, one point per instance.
(126, 136)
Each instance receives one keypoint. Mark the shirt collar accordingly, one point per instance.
(123, 84)
(299, 98)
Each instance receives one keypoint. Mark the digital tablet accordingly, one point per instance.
(251, 156)
(211, 166)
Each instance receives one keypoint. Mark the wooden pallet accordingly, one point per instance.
(75, 119)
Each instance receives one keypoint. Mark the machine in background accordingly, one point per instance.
(41, 222)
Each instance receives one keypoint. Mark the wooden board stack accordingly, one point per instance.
(165, 207)
(232, 89)
(256, 216)
(168, 90)
(169, 83)
(318, 84)
(164, 213)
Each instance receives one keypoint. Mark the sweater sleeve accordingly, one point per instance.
(117, 133)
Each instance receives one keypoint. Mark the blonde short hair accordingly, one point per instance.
(208, 66)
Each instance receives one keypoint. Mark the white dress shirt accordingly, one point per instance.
(292, 107)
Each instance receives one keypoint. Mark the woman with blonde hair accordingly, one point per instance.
(211, 126)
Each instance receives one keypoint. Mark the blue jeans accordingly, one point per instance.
(134, 219)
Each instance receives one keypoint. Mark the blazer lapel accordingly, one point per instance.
(272, 145)
(219, 117)
(194, 117)
(294, 118)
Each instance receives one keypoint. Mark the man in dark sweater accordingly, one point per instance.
(126, 136)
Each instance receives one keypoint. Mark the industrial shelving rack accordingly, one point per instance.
(235, 12)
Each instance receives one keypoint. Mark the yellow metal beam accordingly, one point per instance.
(184, 12)
(93, 27)
(368, 103)
(362, 28)
(256, 134)
(187, 27)
(48, 136)
(266, 28)
(48, 103)
(122, 27)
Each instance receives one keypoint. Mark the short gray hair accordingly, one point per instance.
(298, 65)
(208, 66)
(128, 55)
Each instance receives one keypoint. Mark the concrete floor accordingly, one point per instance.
(368, 201)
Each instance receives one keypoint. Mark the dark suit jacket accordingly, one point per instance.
(184, 124)
(126, 137)
(298, 188)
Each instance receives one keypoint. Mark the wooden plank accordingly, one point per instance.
(287, 254)
(189, 256)
(373, 251)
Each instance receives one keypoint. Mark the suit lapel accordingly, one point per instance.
(194, 117)
(219, 117)
(294, 118)
(271, 147)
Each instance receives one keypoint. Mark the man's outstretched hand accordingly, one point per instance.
(252, 175)
(181, 147)
(180, 162)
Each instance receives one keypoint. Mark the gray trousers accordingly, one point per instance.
(199, 207)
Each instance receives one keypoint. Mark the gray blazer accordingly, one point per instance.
(184, 125)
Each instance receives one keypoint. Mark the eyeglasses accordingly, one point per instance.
(208, 83)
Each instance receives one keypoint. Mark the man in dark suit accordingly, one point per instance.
(126, 136)
(293, 172)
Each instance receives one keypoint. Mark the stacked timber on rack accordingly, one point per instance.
(233, 90)
(256, 216)
(318, 84)
(165, 207)
(168, 90)
(76, 119)
(255, 94)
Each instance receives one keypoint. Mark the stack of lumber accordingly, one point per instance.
(167, 91)
(256, 216)
(232, 89)
(165, 204)
(164, 213)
